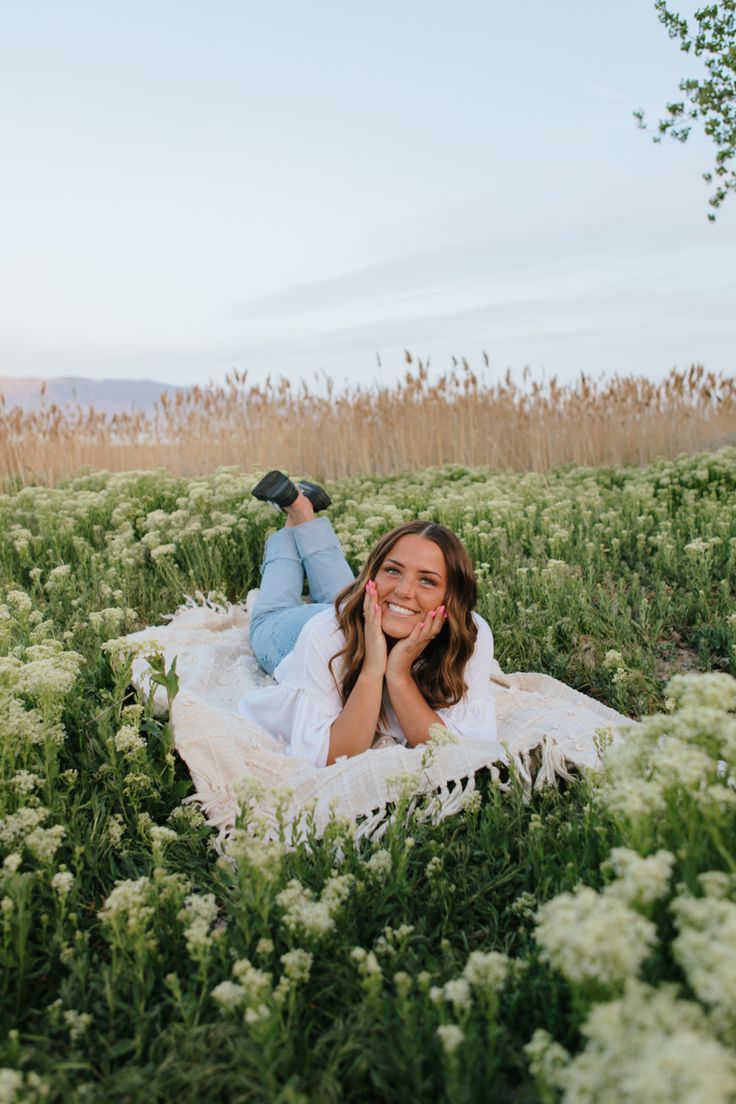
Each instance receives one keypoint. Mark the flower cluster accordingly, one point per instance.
(686, 756)
(593, 938)
(646, 1045)
(304, 914)
(704, 948)
(198, 916)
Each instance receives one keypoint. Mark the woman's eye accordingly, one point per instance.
(391, 570)
(431, 582)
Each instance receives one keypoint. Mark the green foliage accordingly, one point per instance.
(710, 98)
(140, 965)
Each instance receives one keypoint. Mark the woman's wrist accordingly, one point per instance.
(371, 674)
(399, 676)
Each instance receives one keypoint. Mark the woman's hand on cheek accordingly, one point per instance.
(405, 652)
(376, 650)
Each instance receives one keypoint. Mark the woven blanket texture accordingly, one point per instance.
(545, 729)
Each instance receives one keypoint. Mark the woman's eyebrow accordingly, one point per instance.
(422, 570)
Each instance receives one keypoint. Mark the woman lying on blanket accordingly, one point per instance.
(385, 655)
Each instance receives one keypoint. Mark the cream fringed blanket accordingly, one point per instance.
(543, 726)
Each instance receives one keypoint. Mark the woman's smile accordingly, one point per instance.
(400, 611)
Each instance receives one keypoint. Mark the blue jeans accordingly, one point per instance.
(280, 612)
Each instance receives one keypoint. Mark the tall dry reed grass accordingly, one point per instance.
(412, 424)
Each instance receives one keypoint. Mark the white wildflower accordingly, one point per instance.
(486, 970)
(161, 836)
(15, 827)
(634, 798)
(162, 550)
(49, 671)
(128, 907)
(43, 843)
(472, 801)
(547, 1059)
(639, 881)
(369, 965)
(433, 867)
(313, 917)
(705, 949)
(228, 995)
(592, 938)
(62, 882)
(122, 651)
(256, 1015)
(440, 736)
(128, 741)
(525, 905)
(111, 620)
(18, 601)
(457, 993)
(115, 829)
(649, 1046)
(392, 938)
(613, 660)
(56, 575)
(297, 965)
(713, 690)
(77, 1022)
(403, 983)
(380, 863)
(682, 764)
(187, 816)
(256, 983)
(451, 1037)
(556, 569)
(261, 855)
(198, 915)
(716, 883)
(24, 782)
(12, 1086)
(138, 782)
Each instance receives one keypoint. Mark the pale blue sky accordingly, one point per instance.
(293, 187)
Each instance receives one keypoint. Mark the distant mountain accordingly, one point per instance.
(107, 396)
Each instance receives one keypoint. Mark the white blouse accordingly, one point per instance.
(300, 709)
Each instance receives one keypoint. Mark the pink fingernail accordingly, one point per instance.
(421, 626)
(376, 607)
(432, 613)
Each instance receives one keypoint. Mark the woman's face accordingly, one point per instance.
(411, 581)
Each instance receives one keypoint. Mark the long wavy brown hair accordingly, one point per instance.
(439, 671)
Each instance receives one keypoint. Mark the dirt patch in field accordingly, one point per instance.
(677, 660)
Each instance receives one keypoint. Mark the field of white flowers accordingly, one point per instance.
(580, 946)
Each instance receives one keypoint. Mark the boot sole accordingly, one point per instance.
(277, 488)
(317, 495)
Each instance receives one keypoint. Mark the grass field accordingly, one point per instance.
(579, 946)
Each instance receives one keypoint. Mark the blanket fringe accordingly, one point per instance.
(448, 798)
(554, 765)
